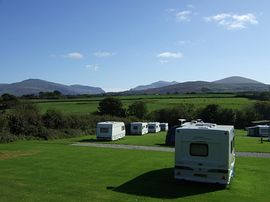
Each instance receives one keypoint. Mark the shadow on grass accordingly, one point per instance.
(93, 140)
(161, 184)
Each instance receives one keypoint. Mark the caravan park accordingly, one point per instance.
(101, 170)
(134, 101)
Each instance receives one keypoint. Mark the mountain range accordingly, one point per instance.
(34, 86)
(230, 84)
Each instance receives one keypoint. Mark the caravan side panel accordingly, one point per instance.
(118, 131)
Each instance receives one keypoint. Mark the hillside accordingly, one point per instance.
(34, 86)
(237, 80)
(157, 84)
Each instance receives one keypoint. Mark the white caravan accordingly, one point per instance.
(204, 152)
(110, 130)
(153, 127)
(164, 126)
(139, 128)
(259, 131)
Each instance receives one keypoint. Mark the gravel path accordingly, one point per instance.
(163, 149)
(123, 146)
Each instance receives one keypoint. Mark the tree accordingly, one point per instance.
(263, 109)
(111, 106)
(23, 119)
(138, 109)
(54, 119)
(210, 113)
(8, 101)
(213, 113)
(8, 97)
(171, 115)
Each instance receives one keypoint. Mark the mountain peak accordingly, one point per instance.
(237, 80)
(34, 86)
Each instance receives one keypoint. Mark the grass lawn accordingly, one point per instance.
(242, 142)
(50, 171)
(250, 144)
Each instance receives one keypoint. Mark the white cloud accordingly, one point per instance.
(190, 6)
(163, 61)
(233, 21)
(92, 67)
(74, 55)
(103, 54)
(170, 10)
(170, 55)
(183, 42)
(183, 16)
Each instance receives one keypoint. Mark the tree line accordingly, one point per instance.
(23, 120)
(213, 113)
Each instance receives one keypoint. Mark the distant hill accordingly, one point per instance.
(157, 84)
(237, 80)
(34, 86)
(80, 89)
(230, 84)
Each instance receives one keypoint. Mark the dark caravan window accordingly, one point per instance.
(198, 149)
(104, 130)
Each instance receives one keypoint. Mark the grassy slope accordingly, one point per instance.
(60, 172)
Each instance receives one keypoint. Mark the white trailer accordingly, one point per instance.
(204, 152)
(110, 130)
(139, 128)
(164, 126)
(153, 127)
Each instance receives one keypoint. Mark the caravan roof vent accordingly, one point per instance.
(206, 125)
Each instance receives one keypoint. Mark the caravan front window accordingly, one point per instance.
(123, 127)
(198, 149)
(135, 127)
(104, 130)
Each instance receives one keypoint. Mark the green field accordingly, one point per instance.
(84, 106)
(57, 171)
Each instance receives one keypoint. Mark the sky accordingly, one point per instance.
(120, 44)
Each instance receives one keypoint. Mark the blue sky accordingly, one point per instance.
(120, 44)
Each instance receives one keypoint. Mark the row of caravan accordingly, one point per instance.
(141, 128)
(111, 130)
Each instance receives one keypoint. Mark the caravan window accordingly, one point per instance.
(264, 131)
(123, 128)
(198, 149)
(151, 127)
(104, 130)
(135, 127)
